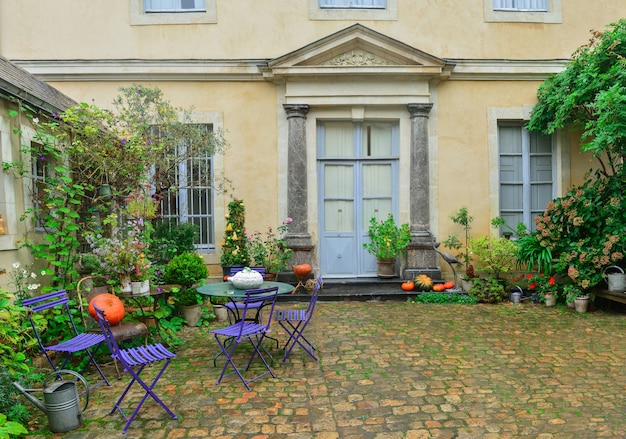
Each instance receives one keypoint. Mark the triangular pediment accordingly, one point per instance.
(358, 49)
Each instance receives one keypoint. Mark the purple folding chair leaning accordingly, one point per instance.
(134, 361)
(78, 342)
(230, 337)
(295, 321)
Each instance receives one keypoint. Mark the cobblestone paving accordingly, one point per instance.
(392, 370)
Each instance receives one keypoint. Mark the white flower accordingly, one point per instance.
(32, 287)
(16, 265)
(33, 275)
(35, 119)
(43, 272)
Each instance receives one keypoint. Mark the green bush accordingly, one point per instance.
(443, 298)
(488, 290)
(170, 239)
(185, 270)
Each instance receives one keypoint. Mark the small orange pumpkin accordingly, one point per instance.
(111, 305)
(408, 285)
(438, 287)
(302, 270)
(448, 285)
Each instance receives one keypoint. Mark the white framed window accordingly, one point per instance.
(164, 12)
(190, 199)
(353, 4)
(523, 11)
(379, 10)
(521, 5)
(174, 6)
(527, 176)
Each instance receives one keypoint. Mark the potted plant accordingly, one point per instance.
(234, 246)
(186, 270)
(575, 295)
(269, 250)
(387, 242)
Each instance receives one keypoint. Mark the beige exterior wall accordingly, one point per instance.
(217, 63)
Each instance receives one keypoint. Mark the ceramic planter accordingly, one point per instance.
(581, 303)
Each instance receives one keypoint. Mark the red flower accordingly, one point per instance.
(531, 286)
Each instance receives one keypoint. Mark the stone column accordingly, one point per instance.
(421, 258)
(298, 237)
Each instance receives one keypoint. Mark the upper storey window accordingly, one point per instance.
(353, 4)
(163, 12)
(520, 5)
(523, 11)
(174, 5)
(351, 10)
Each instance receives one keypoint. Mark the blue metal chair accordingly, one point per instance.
(230, 337)
(295, 321)
(77, 342)
(235, 308)
(134, 361)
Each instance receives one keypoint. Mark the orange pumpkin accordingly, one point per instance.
(438, 287)
(302, 270)
(448, 285)
(408, 285)
(111, 305)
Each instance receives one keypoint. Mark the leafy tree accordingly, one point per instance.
(590, 95)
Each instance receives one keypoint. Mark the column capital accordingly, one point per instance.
(296, 110)
(419, 110)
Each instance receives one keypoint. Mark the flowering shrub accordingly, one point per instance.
(141, 206)
(541, 283)
(585, 229)
(23, 281)
(122, 254)
(270, 249)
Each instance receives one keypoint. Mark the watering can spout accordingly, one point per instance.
(26, 393)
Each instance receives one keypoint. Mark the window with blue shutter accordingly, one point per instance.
(526, 170)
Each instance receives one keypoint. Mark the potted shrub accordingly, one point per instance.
(387, 242)
(186, 270)
(234, 246)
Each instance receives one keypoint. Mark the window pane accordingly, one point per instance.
(526, 5)
(511, 169)
(174, 5)
(338, 139)
(338, 216)
(377, 139)
(511, 196)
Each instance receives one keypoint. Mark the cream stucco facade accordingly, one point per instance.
(242, 64)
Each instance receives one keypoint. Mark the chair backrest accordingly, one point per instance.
(57, 299)
(108, 335)
(86, 291)
(235, 270)
(266, 296)
(314, 295)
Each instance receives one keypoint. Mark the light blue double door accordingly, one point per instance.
(358, 179)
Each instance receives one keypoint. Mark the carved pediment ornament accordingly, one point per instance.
(357, 57)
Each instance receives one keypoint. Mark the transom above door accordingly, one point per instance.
(358, 179)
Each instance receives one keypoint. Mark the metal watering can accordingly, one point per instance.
(615, 281)
(60, 401)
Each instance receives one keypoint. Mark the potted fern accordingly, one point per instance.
(387, 242)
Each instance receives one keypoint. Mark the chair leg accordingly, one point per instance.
(148, 391)
(296, 335)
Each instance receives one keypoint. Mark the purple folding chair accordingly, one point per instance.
(295, 321)
(78, 342)
(134, 361)
(230, 337)
(235, 308)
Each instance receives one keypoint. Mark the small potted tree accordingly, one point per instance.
(387, 242)
(234, 246)
(187, 270)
